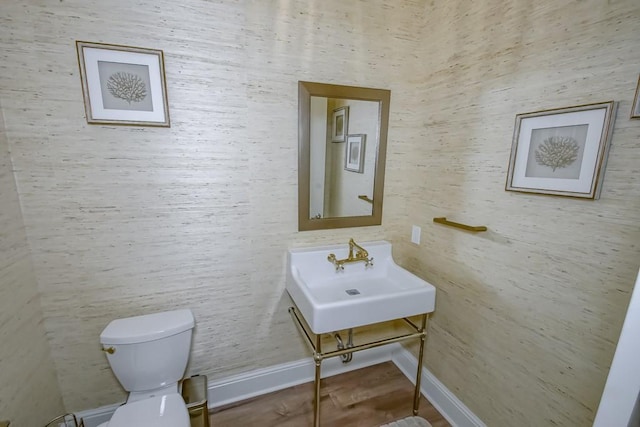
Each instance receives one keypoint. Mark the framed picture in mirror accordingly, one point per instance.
(340, 124)
(354, 154)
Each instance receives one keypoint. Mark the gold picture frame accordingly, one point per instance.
(340, 124)
(635, 107)
(123, 85)
(561, 151)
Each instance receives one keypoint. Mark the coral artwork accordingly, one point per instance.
(127, 86)
(557, 152)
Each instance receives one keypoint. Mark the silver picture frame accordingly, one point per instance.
(354, 152)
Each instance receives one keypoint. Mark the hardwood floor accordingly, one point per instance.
(366, 397)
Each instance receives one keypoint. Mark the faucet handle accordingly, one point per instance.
(369, 262)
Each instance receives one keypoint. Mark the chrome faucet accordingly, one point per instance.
(360, 255)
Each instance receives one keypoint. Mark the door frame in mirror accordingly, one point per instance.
(305, 91)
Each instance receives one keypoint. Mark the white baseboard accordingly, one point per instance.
(278, 377)
(262, 381)
(440, 397)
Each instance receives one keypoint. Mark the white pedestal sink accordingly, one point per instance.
(332, 300)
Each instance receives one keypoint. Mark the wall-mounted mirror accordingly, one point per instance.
(342, 143)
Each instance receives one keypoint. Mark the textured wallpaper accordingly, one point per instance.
(528, 313)
(29, 393)
(130, 220)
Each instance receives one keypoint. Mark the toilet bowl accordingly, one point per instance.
(161, 411)
(149, 354)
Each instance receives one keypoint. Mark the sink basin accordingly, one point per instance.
(331, 300)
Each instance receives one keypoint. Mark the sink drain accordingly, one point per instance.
(352, 292)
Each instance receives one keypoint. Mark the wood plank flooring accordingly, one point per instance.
(367, 397)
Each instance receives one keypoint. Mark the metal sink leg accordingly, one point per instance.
(420, 332)
(416, 392)
(317, 357)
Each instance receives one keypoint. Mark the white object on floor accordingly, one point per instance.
(409, 422)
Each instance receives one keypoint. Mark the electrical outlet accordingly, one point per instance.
(415, 234)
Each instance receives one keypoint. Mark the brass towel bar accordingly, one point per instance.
(365, 198)
(443, 220)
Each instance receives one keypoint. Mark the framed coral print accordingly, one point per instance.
(635, 108)
(354, 154)
(123, 85)
(562, 151)
(340, 124)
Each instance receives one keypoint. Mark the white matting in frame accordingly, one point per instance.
(123, 85)
(562, 151)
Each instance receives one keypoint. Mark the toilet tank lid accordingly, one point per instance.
(149, 327)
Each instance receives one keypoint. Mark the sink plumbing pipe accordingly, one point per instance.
(346, 358)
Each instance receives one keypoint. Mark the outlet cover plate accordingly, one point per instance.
(415, 234)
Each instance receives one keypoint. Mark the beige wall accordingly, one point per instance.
(29, 393)
(529, 312)
(124, 221)
(130, 220)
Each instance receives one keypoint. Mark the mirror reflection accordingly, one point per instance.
(342, 143)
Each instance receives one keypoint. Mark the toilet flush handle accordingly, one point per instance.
(109, 350)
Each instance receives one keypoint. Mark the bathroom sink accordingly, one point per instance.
(333, 299)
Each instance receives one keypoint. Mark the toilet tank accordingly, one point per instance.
(150, 351)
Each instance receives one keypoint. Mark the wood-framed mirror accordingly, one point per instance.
(342, 146)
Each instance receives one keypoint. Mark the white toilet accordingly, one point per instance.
(149, 354)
